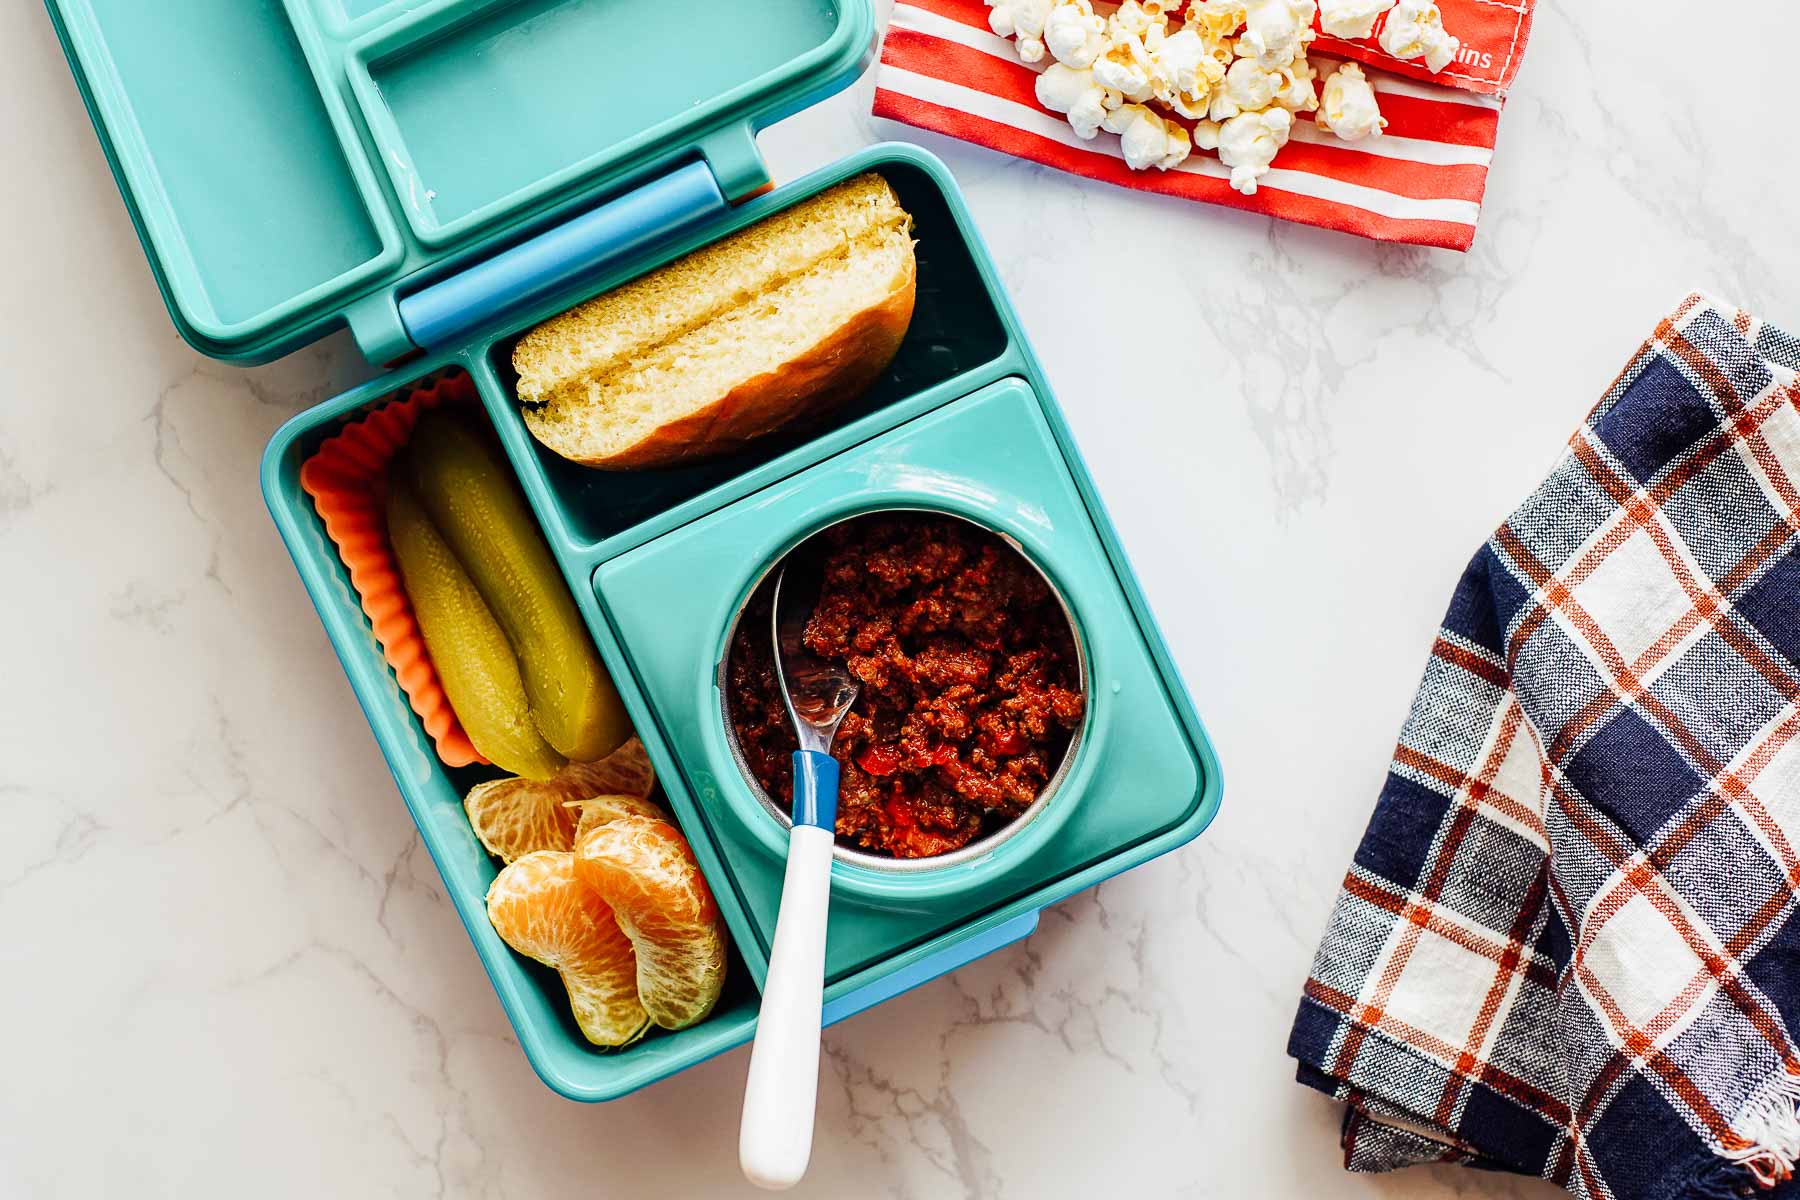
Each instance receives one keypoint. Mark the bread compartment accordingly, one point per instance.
(250, 184)
(433, 789)
(482, 107)
(956, 339)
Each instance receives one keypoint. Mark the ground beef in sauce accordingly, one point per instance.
(970, 685)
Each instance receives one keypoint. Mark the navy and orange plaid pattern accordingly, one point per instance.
(1567, 946)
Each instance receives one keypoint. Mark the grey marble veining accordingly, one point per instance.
(229, 965)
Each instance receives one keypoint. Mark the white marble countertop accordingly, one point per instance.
(228, 964)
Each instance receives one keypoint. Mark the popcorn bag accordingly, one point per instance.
(1373, 117)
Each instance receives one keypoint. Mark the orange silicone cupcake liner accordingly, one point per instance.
(347, 480)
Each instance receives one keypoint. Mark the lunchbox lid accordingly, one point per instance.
(411, 169)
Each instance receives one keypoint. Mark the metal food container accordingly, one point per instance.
(982, 848)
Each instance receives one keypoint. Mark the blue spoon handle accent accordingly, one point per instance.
(815, 789)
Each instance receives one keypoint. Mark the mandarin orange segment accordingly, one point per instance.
(624, 772)
(644, 869)
(542, 909)
(598, 810)
(513, 817)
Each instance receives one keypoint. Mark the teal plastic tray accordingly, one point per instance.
(965, 344)
(440, 176)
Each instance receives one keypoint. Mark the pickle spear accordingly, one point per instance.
(474, 661)
(466, 487)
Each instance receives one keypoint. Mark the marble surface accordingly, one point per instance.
(227, 962)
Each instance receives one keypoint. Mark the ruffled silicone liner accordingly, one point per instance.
(347, 480)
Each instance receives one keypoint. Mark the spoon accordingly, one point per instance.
(775, 1138)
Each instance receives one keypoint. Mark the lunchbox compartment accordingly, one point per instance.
(534, 998)
(1142, 779)
(241, 152)
(956, 338)
(480, 107)
(570, 1063)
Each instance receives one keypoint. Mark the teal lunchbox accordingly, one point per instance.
(439, 177)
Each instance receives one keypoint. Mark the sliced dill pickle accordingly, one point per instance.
(474, 661)
(467, 488)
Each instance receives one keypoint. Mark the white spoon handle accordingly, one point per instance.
(775, 1139)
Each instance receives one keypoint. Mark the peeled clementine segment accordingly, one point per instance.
(624, 772)
(513, 817)
(644, 869)
(541, 908)
(598, 810)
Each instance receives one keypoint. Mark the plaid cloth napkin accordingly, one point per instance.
(1421, 182)
(1567, 944)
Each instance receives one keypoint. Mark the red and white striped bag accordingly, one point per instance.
(1420, 182)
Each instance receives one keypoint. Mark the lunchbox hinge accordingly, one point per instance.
(449, 311)
(730, 169)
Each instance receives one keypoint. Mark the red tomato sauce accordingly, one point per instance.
(970, 684)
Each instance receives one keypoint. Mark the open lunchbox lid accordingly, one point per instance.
(411, 168)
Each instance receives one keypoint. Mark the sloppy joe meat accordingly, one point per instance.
(969, 683)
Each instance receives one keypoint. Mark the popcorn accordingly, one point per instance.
(1222, 50)
(1133, 20)
(1415, 28)
(1247, 143)
(1023, 21)
(1185, 73)
(1248, 87)
(1074, 93)
(1276, 31)
(1218, 19)
(1125, 67)
(1236, 67)
(1349, 109)
(1147, 139)
(1351, 19)
(1074, 34)
(1296, 93)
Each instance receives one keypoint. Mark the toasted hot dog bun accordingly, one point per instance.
(766, 329)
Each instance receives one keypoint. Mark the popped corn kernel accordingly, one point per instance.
(1248, 143)
(1351, 19)
(1073, 92)
(1415, 29)
(1023, 21)
(1074, 34)
(1349, 109)
(1276, 31)
(1147, 139)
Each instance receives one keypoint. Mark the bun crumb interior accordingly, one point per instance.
(768, 327)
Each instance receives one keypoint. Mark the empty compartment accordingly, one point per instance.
(480, 112)
(956, 328)
(242, 182)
